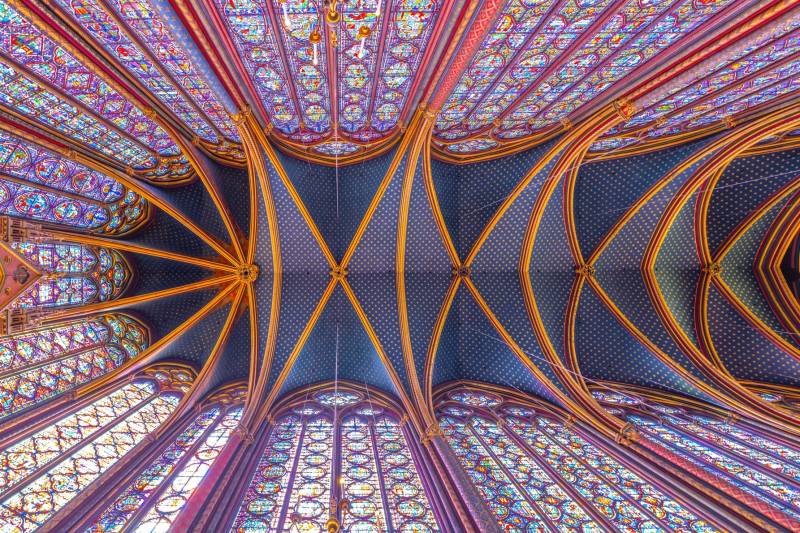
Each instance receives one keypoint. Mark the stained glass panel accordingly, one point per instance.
(295, 22)
(650, 499)
(29, 348)
(290, 488)
(37, 384)
(25, 161)
(74, 275)
(31, 179)
(30, 507)
(132, 500)
(476, 399)
(173, 78)
(647, 30)
(408, 506)
(544, 61)
(129, 136)
(339, 398)
(309, 500)
(263, 501)
(520, 460)
(359, 479)
(25, 457)
(37, 366)
(527, 39)
(767, 488)
(250, 28)
(750, 438)
(544, 492)
(743, 62)
(510, 506)
(166, 508)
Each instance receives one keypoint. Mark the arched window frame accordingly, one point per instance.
(126, 210)
(125, 334)
(225, 400)
(306, 398)
(95, 275)
(166, 378)
(443, 398)
(658, 407)
(786, 397)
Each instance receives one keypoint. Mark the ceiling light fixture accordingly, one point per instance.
(314, 38)
(363, 33)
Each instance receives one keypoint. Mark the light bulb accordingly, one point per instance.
(378, 9)
(316, 54)
(361, 49)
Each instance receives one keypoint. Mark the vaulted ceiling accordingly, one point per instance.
(401, 193)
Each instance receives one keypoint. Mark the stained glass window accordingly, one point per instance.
(533, 471)
(293, 483)
(38, 365)
(84, 108)
(545, 60)
(755, 463)
(157, 496)
(378, 51)
(143, 44)
(79, 447)
(249, 26)
(707, 91)
(73, 274)
(375, 73)
(32, 180)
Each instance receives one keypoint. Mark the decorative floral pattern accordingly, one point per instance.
(531, 469)
(377, 475)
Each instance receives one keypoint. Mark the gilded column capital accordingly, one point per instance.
(431, 432)
(626, 435)
(247, 437)
(241, 116)
(624, 108)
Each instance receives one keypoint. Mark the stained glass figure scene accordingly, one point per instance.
(38, 365)
(39, 185)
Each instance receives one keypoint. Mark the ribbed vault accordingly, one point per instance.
(639, 231)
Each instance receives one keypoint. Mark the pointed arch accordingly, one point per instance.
(41, 364)
(344, 445)
(514, 449)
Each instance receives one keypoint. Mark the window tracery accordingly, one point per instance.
(40, 185)
(157, 496)
(375, 53)
(532, 469)
(38, 365)
(342, 447)
(48, 85)
(737, 453)
(140, 37)
(542, 63)
(73, 274)
(45, 470)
